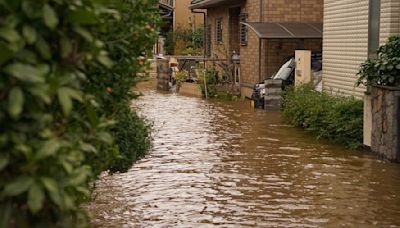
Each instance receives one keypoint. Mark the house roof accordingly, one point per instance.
(204, 4)
(286, 30)
(166, 11)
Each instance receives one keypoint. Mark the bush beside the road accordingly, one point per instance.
(66, 68)
(331, 117)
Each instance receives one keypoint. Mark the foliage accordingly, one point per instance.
(384, 70)
(181, 76)
(208, 82)
(216, 88)
(56, 126)
(132, 136)
(127, 41)
(184, 41)
(336, 118)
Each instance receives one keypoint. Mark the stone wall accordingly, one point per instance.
(385, 138)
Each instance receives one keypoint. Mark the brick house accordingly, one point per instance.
(264, 32)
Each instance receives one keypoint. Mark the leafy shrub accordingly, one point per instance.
(384, 70)
(129, 45)
(56, 125)
(211, 79)
(131, 134)
(336, 118)
(185, 41)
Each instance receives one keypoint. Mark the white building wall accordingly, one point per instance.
(390, 19)
(345, 45)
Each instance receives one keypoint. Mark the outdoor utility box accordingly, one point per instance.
(303, 67)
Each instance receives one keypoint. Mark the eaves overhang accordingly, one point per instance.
(286, 30)
(205, 4)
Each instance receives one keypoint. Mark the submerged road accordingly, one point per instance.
(221, 164)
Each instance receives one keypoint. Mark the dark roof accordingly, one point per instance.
(286, 30)
(205, 4)
(166, 11)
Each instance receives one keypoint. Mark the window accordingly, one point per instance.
(243, 29)
(373, 26)
(208, 41)
(218, 30)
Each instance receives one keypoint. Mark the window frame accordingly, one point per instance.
(218, 31)
(243, 29)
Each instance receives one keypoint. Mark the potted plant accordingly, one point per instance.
(382, 77)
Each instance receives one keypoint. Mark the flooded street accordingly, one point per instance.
(223, 164)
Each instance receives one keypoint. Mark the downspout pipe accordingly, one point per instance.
(204, 35)
(260, 43)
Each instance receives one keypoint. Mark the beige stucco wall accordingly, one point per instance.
(345, 44)
(183, 18)
(390, 19)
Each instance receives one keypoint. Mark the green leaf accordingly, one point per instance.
(66, 47)
(82, 16)
(105, 137)
(43, 48)
(35, 198)
(4, 160)
(41, 91)
(68, 201)
(49, 148)
(25, 73)
(9, 34)
(65, 96)
(88, 148)
(84, 33)
(5, 53)
(105, 60)
(80, 177)
(49, 16)
(29, 34)
(398, 66)
(15, 102)
(20, 185)
(67, 166)
(65, 101)
(52, 188)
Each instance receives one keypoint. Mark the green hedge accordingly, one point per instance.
(331, 117)
(66, 67)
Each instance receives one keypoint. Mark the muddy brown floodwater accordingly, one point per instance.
(222, 164)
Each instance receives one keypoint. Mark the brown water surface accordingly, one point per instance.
(223, 164)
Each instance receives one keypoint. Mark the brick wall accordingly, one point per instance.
(285, 10)
(249, 59)
(219, 50)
